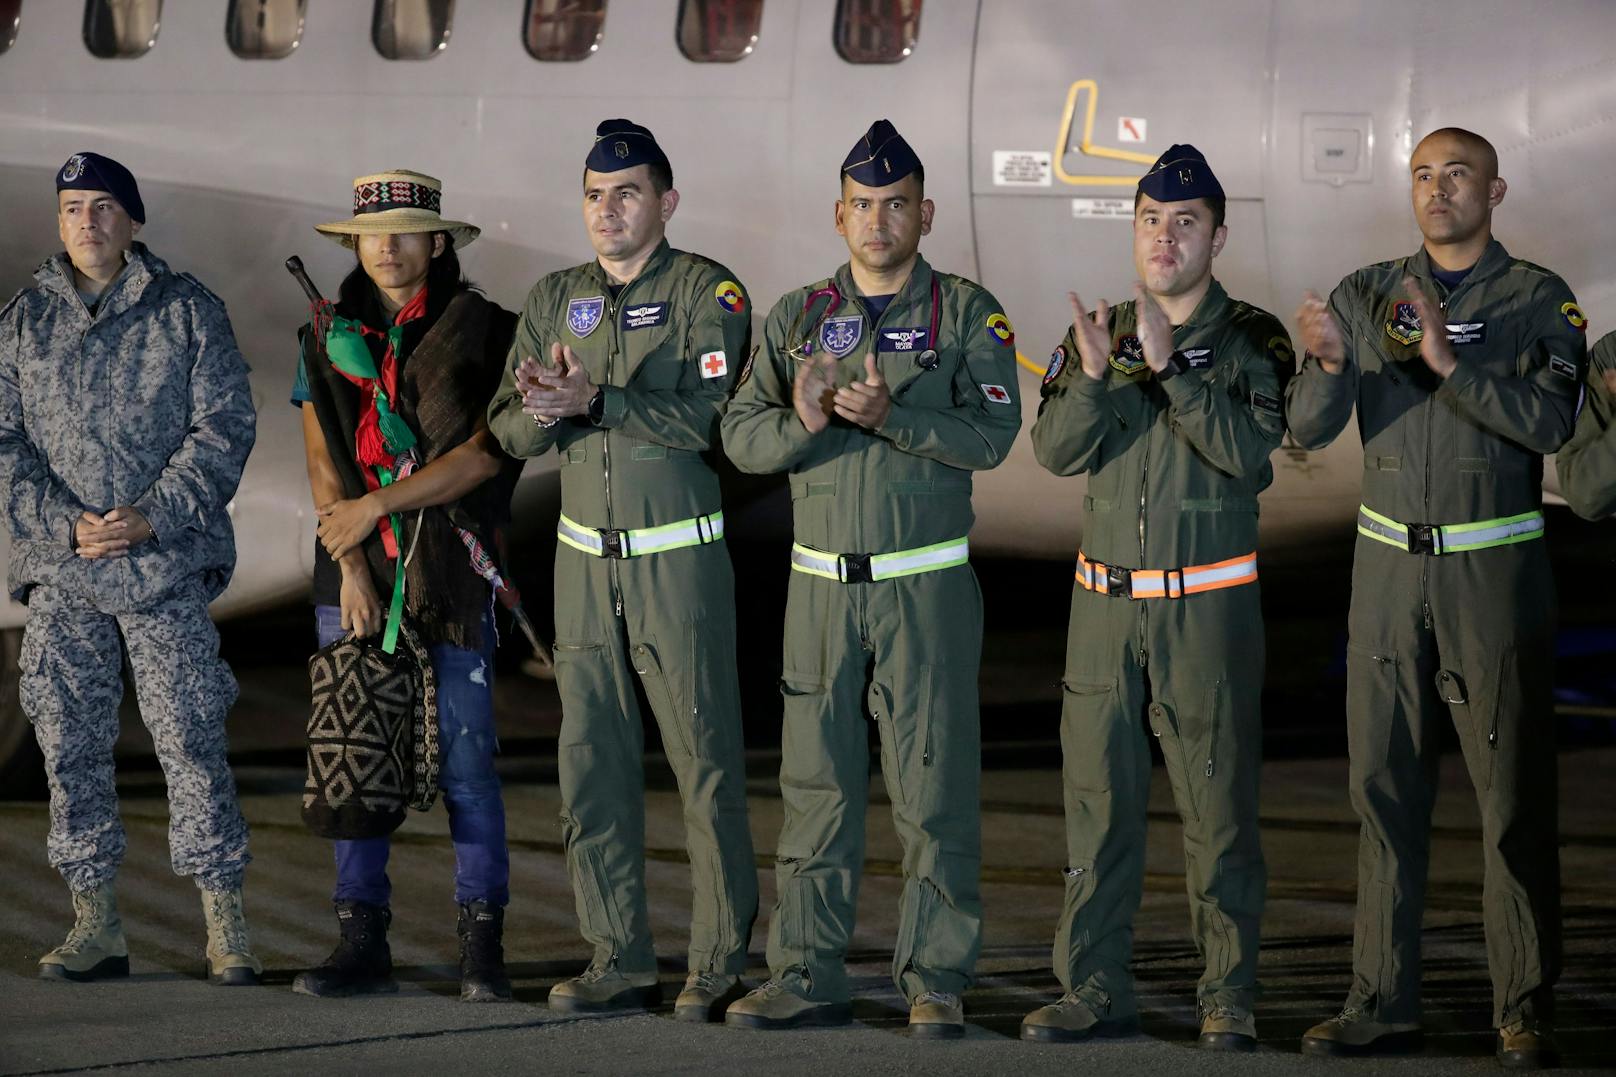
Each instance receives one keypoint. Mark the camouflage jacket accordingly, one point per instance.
(144, 403)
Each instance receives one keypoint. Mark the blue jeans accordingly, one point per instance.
(466, 744)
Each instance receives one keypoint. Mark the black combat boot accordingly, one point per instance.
(482, 953)
(362, 963)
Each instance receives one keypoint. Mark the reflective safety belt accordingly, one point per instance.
(638, 542)
(870, 567)
(1450, 538)
(1165, 582)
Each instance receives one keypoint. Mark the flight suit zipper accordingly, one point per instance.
(606, 455)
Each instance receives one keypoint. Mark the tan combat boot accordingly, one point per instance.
(1353, 1032)
(602, 989)
(937, 1015)
(1527, 1045)
(230, 960)
(706, 996)
(776, 1006)
(1227, 1028)
(95, 948)
(1072, 1019)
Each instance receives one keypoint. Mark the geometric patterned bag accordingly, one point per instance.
(372, 737)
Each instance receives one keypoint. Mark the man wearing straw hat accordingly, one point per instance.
(624, 364)
(125, 419)
(403, 470)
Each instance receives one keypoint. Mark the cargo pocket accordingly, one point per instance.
(923, 723)
(1088, 717)
(796, 901)
(644, 656)
(1073, 939)
(894, 750)
(1164, 723)
(1475, 706)
(1374, 707)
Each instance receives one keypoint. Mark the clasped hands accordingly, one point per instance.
(1093, 332)
(97, 537)
(816, 398)
(1322, 337)
(559, 391)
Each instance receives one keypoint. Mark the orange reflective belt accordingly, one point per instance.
(1165, 583)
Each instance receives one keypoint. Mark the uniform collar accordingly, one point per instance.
(663, 251)
(1211, 307)
(918, 284)
(1494, 259)
(141, 266)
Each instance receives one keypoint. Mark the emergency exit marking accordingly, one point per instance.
(1130, 129)
(1021, 168)
(1117, 209)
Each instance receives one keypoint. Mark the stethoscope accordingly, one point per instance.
(926, 360)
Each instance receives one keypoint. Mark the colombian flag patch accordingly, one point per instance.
(1574, 315)
(730, 296)
(999, 329)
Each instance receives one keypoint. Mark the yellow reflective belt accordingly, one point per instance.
(1450, 538)
(868, 567)
(638, 542)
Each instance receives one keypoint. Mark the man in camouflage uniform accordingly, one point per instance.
(1465, 366)
(623, 365)
(1587, 463)
(125, 420)
(880, 390)
(1171, 404)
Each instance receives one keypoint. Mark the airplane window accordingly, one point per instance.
(10, 20)
(564, 29)
(264, 29)
(120, 29)
(718, 31)
(411, 29)
(876, 31)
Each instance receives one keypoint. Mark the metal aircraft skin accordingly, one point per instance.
(1033, 117)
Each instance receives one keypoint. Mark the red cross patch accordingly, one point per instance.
(996, 393)
(714, 365)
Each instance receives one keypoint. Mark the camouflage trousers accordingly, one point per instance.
(71, 685)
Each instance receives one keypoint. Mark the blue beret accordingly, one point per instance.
(93, 172)
(620, 144)
(1179, 175)
(880, 157)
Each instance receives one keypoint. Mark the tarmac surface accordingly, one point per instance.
(167, 1017)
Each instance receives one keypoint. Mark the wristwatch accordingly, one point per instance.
(596, 410)
(1176, 365)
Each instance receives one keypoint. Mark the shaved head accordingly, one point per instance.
(1477, 151)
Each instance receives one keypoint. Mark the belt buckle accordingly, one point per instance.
(1422, 538)
(611, 544)
(856, 568)
(1118, 581)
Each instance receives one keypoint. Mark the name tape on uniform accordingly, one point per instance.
(645, 315)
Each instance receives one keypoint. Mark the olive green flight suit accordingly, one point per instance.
(1175, 466)
(1464, 636)
(903, 651)
(1587, 463)
(667, 352)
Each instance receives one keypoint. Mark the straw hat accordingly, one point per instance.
(396, 202)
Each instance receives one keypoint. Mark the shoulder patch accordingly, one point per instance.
(731, 298)
(1574, 317)
(1280, 351)
(1566, 368)
(999, 329)
(1057, 363)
